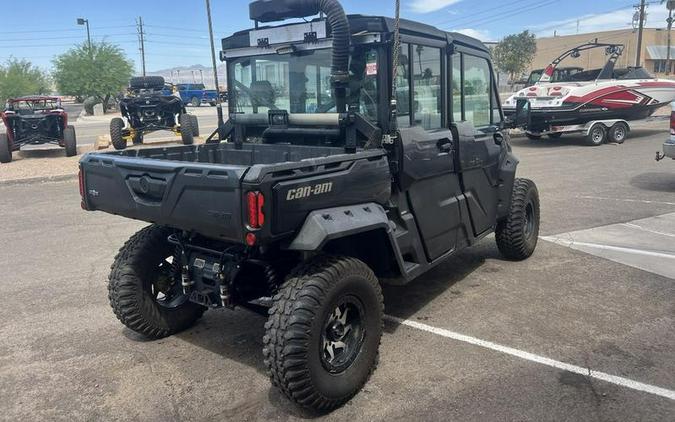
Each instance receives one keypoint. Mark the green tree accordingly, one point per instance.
(20, 77)
(100, 72)
(514, 53)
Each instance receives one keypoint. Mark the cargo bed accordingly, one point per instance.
(194, 188)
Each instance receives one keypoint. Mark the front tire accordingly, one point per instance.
(323, 332)
(5, 149)
(518, 233)
(144, 289)
(186, 133)
(70, 141)
(195, 125)
(116, 133)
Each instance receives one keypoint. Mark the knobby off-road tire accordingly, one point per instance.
(195, 125)
(5, 150)
(302, 322)
(186, 134)
(518, 233)
(70, 141)
(133, 276)
(116, 135)
(146, 82)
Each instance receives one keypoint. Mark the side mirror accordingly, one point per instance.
(523, 114)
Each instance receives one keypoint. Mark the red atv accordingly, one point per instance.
(34, 121)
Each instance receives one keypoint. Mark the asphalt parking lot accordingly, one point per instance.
(583, 330)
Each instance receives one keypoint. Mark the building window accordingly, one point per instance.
(660, 66)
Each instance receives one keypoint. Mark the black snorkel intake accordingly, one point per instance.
(277, 10)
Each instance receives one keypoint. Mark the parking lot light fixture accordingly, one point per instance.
(83, 21)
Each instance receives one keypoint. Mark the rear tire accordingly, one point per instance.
(518, 233)
(146, 82)
(138, 268)
(532, 136)
(597, 135)
(323, 332)
(116, 133)
(618, 133)
(195, 125)
(70, 141)
(186, 129)
(5, 149)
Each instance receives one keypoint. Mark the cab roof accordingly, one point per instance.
(373, 24)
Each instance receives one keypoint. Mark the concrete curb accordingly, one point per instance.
(40, 179)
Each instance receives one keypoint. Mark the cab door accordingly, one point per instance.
(429, 175)
(481, 138)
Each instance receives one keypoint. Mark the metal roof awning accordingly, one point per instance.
(659, 52)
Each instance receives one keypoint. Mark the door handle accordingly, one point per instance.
(444, 145)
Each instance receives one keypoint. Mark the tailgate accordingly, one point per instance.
(202, 197)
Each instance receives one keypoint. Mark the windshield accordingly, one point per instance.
(300, 82)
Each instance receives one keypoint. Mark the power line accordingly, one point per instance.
(64, 30)
(491, 9)
(503, 15)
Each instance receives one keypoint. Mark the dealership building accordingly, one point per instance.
(653, 52)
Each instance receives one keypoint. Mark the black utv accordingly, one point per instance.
(148, 107)
(344, 164)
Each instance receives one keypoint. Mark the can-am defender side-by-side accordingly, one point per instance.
(334, 176)
(148, 107)
(598, 103)
(35, 120)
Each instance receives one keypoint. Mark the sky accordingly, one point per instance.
(176, 30)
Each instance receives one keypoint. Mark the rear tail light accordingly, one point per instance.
(255, 202)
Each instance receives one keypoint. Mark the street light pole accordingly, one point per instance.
(219, 105)
(82, 21)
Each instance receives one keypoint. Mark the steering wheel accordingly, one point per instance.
(247, 90)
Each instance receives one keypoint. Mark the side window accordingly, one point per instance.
(427, 86)
(477, 91)
(456, 88)
(403, 88)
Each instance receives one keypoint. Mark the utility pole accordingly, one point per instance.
(670, 5)
(640, 28)
(141, 40)
(219, 105)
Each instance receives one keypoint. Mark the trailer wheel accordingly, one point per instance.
(144, 287)
(323, 332)
(186, 133)
(532, 136)
(555, 135)
(70, 141)
(596, 135)
(618, 133)
(5, 149)
(517, 234)
(116, 135)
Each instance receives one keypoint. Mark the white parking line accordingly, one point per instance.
(612, 379)
(641, 201)
(570, 243)
(635, 226)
